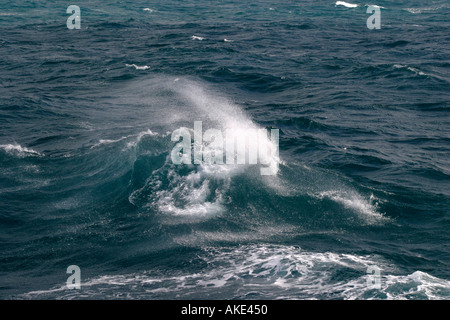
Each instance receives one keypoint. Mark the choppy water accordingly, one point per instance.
(86, 176)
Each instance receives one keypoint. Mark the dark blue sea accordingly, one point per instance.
(361, 194)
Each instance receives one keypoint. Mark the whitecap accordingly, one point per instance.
(413, 10)
(194, 37)
(138, 67)
(366, 209)
(270, 271)
(19, 151)
(197, 191)
(415, 70)
(140, 135)
(425, 9)
(346, 4)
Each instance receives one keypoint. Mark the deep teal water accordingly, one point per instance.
(86, 177)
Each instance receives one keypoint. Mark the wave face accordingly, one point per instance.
(361, 179)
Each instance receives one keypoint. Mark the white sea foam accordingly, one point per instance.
(374, 5)
(138, 67)
(19, 151)
(195, 195)
(267, 272)
(346, 4)
(414, 10)
(148, 10)
(194, 37)
(186, 196)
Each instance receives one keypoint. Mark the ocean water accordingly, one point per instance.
(362, 181)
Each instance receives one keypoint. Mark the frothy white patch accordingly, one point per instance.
(138, 67)
(420, 284)
(194, 37)
(267, 272)
(148, 10)
(346, 4)
(188, 196)
(19, 151)
(413, 10)
(194, 196)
